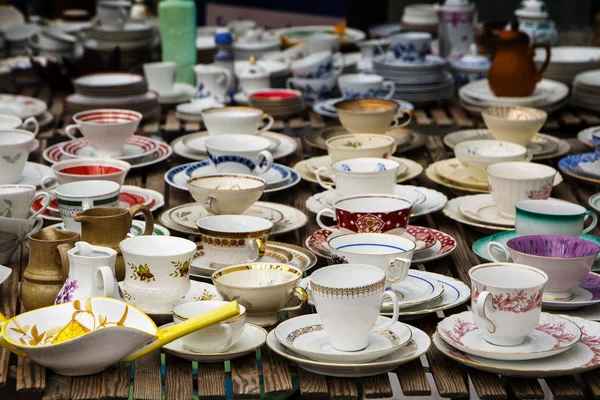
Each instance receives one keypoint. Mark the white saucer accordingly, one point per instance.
(274, 175)
(187, 214)
(252, 338)
(306, 335)
(481, 208)
(417, 288)
(196, 106)
(33, 174)
(195, 142)
(416, 198)
(552, 336)
(181, 93)
(581, 298)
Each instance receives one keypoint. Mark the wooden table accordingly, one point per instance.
(266, 373)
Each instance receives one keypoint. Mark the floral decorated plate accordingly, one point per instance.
(585, 167)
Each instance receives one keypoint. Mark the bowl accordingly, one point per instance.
(226, 193)
(360, 145)
(514, 124)
(91, 169)
(366, 115)
(478, 154)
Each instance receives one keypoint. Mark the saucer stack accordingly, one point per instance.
(586, 90)
(205, 44)
(279, 103)
(567, 62)
(135, 41)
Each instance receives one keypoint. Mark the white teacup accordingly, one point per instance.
(9, 122)
(348, 298)
(160, 75)
(361, 175)
(506, 301)
(217, 338)
(213, 81)
(16, 200)
(511, 182)
(236, 120)
(241, 154)
(226, 193)
(78, 196)
(113, 13)
(322, 64)
(14, 150)
(355, 86)
(390, 253)
(552, 217)
(233, 239)
(476, 155)
(13, 231)
(323, 42)
(157, 270)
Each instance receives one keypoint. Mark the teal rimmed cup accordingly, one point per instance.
(552, 217)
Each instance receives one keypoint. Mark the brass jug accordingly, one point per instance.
(43, 277)
(107, 226)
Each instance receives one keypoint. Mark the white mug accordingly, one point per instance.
(14, 122)
(213, 81)
(355, 86)
(243, 154)
(160, 75)
(236, 120)
(14, 150)
(16, 201)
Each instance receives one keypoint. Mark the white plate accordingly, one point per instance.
(540, 145)
(452, 211)
(416, 289)
(274, 176)
(33, 174)
(137, 228)
(327, 107)
(102, 80)
(481, 208)
(5, 273)
(306, 336)
(480, 92)
(21, 106)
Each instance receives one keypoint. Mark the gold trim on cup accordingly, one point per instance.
(235, 235)
(358, 291)
(245, 267)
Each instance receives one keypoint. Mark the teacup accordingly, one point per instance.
(16, 200)
(313, 89)
(369, 115)
(360, 176)
(263, 288)
(323, 42)
(348, 298)
(217, 338)
(213, 81)
(506, 301)
(567, 261)
(236, 120)
(79, 196)
(107, 129)
(240, 154)
(13, 231)
(10, 122)
(476, 155)
(514, 124)
(355, 86)
(369, 213)
(322, 64)
(226, 193)
(160, 75)
(411, 47)
(113, 13)
(357, 145)
(87, 169)
(233, 239)
(511, 182)
(552, 217)
(390, 253)
(14, 150)
(157, 270)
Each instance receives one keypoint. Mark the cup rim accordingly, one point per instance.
(371, 195)
(124, 166)
(489, 170)
(256, 265)
(538, 271)
(536, 113)
(323, 270)
(247, 234)
(191, 246)
(192, 182)
(396, 165)
(390, 139)
(110, 192)
(331, 239)
(30, 136)
(228, 109)
(519, 206)
(138, 116)
(508, 244)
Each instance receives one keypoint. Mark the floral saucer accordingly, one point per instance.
(585, 167)
(552, 336)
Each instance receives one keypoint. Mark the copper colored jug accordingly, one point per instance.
(513, 72)
(107, 226)
(43, 277)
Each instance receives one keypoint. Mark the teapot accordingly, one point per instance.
(513, 72)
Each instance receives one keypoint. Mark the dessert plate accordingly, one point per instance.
(481, 208)
(452, 211)
(416, 289)
(136, 147)
(552, 336)
(586, 294)
(274, 175)
(454, 171)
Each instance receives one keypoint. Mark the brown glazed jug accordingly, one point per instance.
(107, 226)
(43, 277)
(513, 72)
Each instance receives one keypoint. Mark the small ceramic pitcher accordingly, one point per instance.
(88, 271)
(213, 81)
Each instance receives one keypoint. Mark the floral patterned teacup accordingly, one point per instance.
(506, 301)
(355, 86)
(157, 270)
(411, 47)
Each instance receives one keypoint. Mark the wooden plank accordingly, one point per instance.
(316, 120)
(551, 124)
(413, 379)
(115, 381)
(276, 373)
(342, 388)
(58, 387)
(588, 117)
(440, 117)
(297, 123)
(86, 387)
(147, 384)
(192, 126)
(565, 388)
(568, 118)
(377, 387)
(460, 117)
(526, 388)
(172, 123)
(31, 377)
(278, 125)
(211, 381)
(311, 384)
(179, 381)
(421, 117)
(244, 375)
(487, 385)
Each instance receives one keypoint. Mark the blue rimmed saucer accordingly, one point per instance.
(275, 175)
(582, 166)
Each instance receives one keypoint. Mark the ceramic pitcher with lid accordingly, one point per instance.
(88, 271)
(107, 226)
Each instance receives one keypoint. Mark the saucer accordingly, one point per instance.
(137, 228)
(481, 208)
(136, 147)
(314, 163)
(454, 171)
(452, 211)
(33, 174)
(195, 141)
(187, 214)
(586, 136)
(182, 93)
(585, 167)
(586, 294)
(252, 338)
(552, 336)
(415, 197)
(327, 107)
(275, 175)
(306, 335)
(416, 289)
(431, 62)
(540, 145)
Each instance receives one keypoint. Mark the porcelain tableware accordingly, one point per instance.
(213, 81)
(476, 155)
(157, 270)
(14, 150)
(369, 115)
(506, 301)
(160, 76)
(13, 231)
(355, 86)
(107, 129)
(218, 338)
(8, 122)
(263, 288)
(511, 182)
(411, 47)
(361, 175)
(241, 154)
(87, 336)
(482, 208)
(360, 145)
(226, 193)
(514, 124)
(87, 169)
(320, 42)
(322, 64)
(313, 89)
(113, 13)
(552, 217)
(348, 298)
(236, 120)
(16, 201)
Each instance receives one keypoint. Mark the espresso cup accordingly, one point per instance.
(78, 196)
(14, 150)
(348, 298)
(355, 86)
(113, 13)
(236, 120)
(511, 182)
(506, 301)
(8, 122)
(233, 239)
(240, 154)
(16, 201)
(552, 217)
(157, 270)
(217, 338)
(360, 176)
(160, 75)
(411, 47)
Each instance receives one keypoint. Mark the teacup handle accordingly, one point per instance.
(225, 82)
(208, 203)
(148, 218)
(225, 330)
(529, 156)
(70, 131)
(324, 185)
(481, 309)
(502, 248)
(259, 245)
(105, 279)
(407, 113)
(592, 225)
(268, 124)
(61, 257)
(44, 195)
(44, 184)
(390, 87)
(398, 269)
(301, 294)
(337, 61)
(268, 157)
(34, 125)
(327, 212)
(394, 318)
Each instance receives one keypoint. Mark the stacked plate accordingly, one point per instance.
(567, 62)
(278, 102)
(549, 96)
(416, 82)
(135, 41)
(586, 90)
(278, 71)
(205, 44)
(585, 167)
